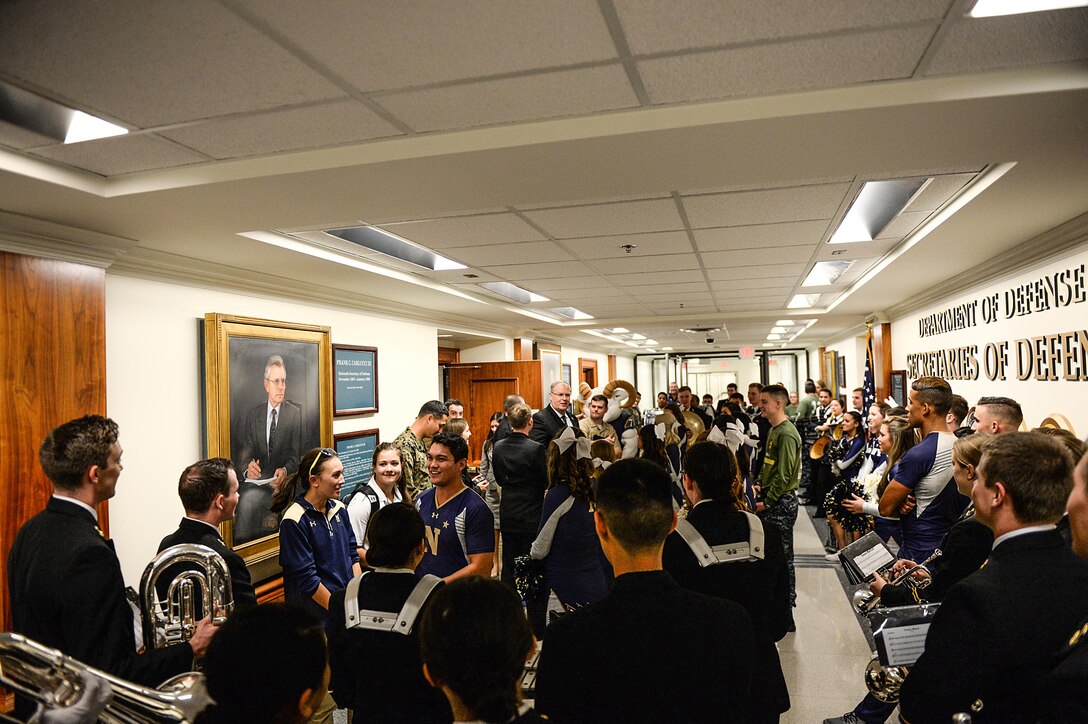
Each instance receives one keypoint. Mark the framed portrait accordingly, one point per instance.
(829, 369)
(356, 452)
(355, 380)
(566, 374)
(268, 399)
(899, 387)
(840, 370)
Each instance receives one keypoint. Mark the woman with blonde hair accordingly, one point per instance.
(896, 438)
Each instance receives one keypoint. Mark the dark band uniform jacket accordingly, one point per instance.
(67, 592)
(633, 657)
(379, 674)
(997, 633)
(762, 587)
(201, 533)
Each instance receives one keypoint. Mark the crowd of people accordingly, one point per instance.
(633, 574)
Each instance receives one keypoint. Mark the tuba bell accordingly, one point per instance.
(192, 570)
(884, 682)
(694, 424)
(58, 682)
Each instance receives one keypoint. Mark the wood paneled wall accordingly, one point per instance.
(52, 369)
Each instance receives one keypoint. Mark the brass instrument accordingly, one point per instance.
(49, 678)
(819, 447)
(694, 424)
(884, 682)
(865, 601)
(173, 620)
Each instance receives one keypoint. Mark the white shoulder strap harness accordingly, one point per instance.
(708, 555)
(402, 623)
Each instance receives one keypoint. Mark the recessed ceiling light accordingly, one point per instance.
(49, 118)
(780, 330)
(650, 350)
(803, 301)
(666, 349)
(570, 312)
(620, 330)
(637, 336)
(384, 242)
(774, 336)
(512, 292)
(825, 273)
(650, 342)
(990, 8)
(768, 344)
(876, 205)
(785, 323)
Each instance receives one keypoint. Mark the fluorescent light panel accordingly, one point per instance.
(825, 273)
(620, 330)
(803, 301)
(512, 292)
(49, 118)
(568, 312)
(876, 205)
(384, 242)
(991, 8)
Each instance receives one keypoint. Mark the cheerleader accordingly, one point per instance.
(845, 457)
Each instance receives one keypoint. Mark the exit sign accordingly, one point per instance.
(747, 353)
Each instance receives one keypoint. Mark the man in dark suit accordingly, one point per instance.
(651, 651)
(268, 447)
(64, 578)
(555, 416)
(521, 470)
(209, 492)
(1009, 619)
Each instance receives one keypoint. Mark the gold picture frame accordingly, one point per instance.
(241, 376)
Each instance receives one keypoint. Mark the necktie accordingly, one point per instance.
(272, 432)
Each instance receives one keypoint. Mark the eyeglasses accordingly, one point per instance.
(326, 452)
(277, 383)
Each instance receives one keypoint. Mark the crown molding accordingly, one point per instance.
(37, 237)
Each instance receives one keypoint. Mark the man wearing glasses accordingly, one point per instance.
(267, 452)
(555, 416)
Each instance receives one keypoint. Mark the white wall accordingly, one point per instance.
(854, 350)
(153, 390)
(1038, 398)
(501, 350)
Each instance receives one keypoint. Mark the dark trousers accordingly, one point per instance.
(514, 544)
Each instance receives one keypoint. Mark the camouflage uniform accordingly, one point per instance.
(779, 477)
(413, 461)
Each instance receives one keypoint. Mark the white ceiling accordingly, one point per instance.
(530, 141)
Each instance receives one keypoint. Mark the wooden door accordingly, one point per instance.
(588, 371)
(485, 398)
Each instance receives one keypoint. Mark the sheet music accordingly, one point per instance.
(905, 644)
(873, 560)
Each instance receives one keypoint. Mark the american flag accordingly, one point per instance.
(868, 386)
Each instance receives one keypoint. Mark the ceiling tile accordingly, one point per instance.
(761, 236)
(659, 277)
(328, 124)
(682, 288)
(796, 65)
(13, 136)
(761, 292)
(634, 264)
(575, 297)
(654, 26)
(608, 247)
(726, 282)
(525, 253)
(152, 63)
(974, 44)
(773, 206)
(750, 257)
(900, 226)
(608, 219)
(938, 190)
(122, 154)
(523, 98)
(456, 231)
(699, 298)
(784, 272)
(516, 272)
(556, 284)
(391, 44)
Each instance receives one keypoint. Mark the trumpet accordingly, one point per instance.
(865, 601)
(174, 620)
(58, 682)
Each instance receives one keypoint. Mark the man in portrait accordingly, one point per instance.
(267, 451)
